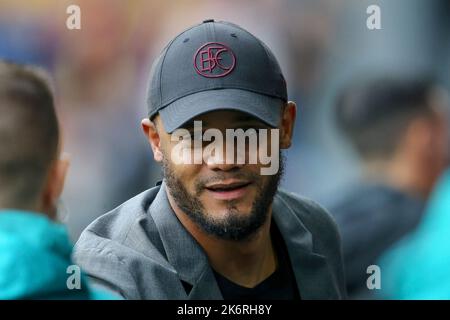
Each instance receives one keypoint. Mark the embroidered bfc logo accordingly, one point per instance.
(214, 60)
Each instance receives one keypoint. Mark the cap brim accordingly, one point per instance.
(265, 108)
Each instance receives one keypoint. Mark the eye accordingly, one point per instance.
(255, 126)
(187, 137)
(252, 130)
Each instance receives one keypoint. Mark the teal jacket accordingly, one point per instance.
(35, 255)
(418, 266)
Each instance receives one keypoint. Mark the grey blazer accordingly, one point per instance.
(140, 250)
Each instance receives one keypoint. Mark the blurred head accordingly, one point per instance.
(399, 128)
(31, 173)
(229, 201)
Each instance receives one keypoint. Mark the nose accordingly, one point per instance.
(220, 162)
(223, 166)
(217, 164)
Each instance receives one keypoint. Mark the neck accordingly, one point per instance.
(397, 174)
(246, 263)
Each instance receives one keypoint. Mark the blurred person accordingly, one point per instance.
(100, 74)
(35, 250)
(28, 32)
(417, 267)
(215, 230)
(399, 129)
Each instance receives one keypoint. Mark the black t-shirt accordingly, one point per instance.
(280, 285)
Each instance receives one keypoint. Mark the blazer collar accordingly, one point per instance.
(183, 252)
(311, 270)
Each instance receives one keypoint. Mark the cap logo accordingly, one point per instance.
(214, 60)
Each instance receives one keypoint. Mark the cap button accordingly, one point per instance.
(208, 20)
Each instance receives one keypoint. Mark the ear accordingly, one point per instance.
(55, 185)
(153, 138)
(287, 124)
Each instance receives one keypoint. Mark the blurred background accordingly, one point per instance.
(101, 75)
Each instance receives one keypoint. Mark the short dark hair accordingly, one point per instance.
(29, 133)
(374, 114)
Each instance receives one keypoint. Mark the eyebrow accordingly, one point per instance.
(246, 117)
(238, 118)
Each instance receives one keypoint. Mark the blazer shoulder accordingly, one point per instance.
(326, 239)
(313, 215)
(128, 226)
(117, 223)
(116, 247)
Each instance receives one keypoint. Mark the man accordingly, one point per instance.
(34, 250)
(216, 229)
(399, 129)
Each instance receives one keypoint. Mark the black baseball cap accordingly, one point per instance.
(215, 65)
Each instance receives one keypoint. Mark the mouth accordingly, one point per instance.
(228, 190)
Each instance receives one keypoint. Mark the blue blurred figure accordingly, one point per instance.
(418, 266)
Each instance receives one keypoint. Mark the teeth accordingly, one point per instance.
(227, 188)
(224, 189)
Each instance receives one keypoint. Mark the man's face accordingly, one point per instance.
(227, 200)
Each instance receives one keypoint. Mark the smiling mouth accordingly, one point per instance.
(228, 191)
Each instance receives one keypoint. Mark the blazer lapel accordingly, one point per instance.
(183, 251)
(206, 287)
(312, 272)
